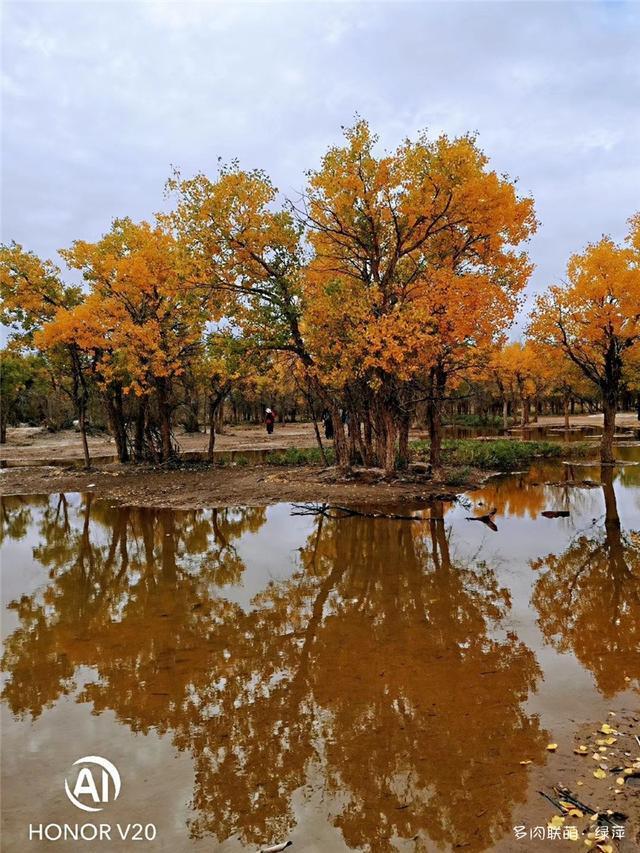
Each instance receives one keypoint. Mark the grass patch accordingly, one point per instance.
(300, 456)
(501, 455)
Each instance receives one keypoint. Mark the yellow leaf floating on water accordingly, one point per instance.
(552, 747)
(556, 820)
(581, 750)
(606, 729)
(620, 780)
(599, 774)
(575, 813)
(610, 741)
(526, 761)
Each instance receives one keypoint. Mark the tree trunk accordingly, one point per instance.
(339, 438)
(316, 430)
(367, 438)
(434, 413)
(82, 420)
(138, 441)
(353, 431)
(164, 412)
(609, 400)
(116, 422)
(214, 402)
(403, 443)
(81, 398)
(389, 436)
(3, 425)
(505, 414)
(565, 409)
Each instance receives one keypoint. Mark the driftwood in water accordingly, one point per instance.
(337, 511)
(567, 801)
(485, 519)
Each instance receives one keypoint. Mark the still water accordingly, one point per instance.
(349, 683)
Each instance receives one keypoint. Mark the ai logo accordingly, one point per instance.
(103, 787)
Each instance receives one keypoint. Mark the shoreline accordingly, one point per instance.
(212, 486)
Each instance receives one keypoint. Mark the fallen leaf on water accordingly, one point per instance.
(526, 761)
(599, 774)
(556, 820)
(620, 781)
(575, 813)
(606, 729)
(610, 741)
(581, 750)
(552, 747)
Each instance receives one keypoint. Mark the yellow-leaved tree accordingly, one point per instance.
(142, 321)
(594, 318)
(416, 268)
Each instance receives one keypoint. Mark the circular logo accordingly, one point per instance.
(99, 783)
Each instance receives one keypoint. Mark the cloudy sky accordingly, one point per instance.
(100, 99)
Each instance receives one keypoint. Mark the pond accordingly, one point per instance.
(344, 681)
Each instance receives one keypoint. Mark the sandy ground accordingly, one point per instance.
(25, 444)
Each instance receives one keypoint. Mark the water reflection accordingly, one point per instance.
(380, 672)
(588, 596)
(124, 597)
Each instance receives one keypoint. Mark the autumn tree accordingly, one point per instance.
(32, 294)
(415, 267)
(142, 322)
(15, 374)
(594, 318)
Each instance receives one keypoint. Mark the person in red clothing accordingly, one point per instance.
(270, 419)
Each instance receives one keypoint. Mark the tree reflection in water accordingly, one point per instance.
(588, 598)
(379, 672)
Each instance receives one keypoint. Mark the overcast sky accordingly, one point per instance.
(101, 98)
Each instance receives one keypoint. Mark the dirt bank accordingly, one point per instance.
(201, 486)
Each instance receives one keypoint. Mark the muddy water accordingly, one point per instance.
(350, 683)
